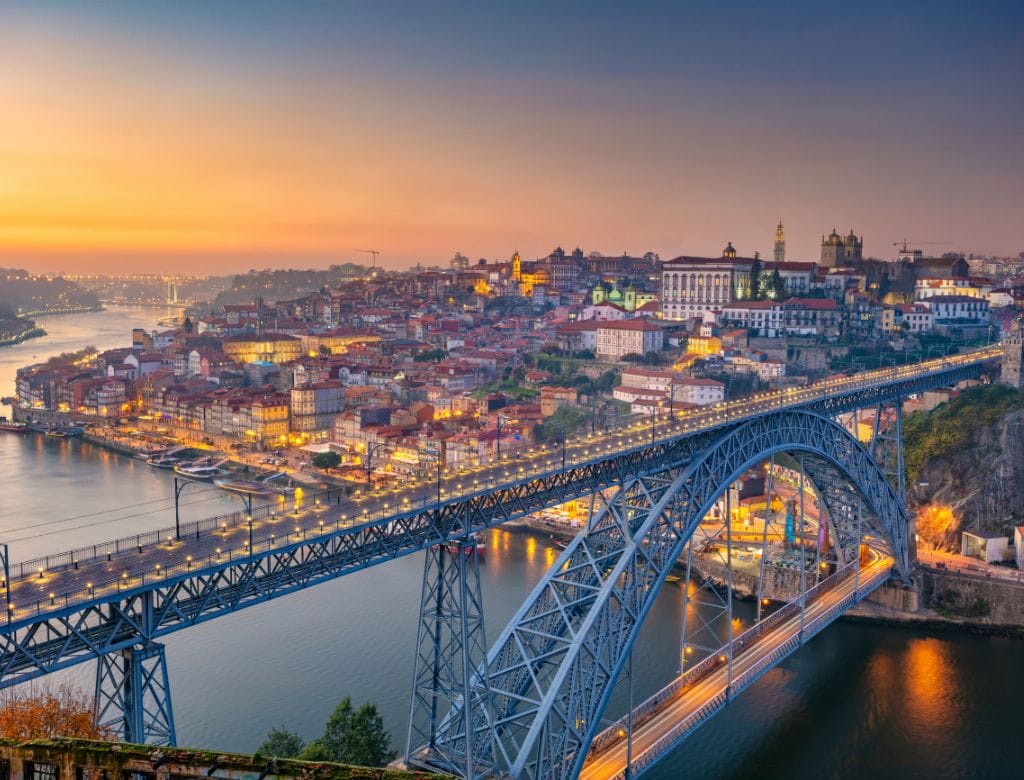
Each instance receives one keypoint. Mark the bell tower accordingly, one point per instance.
(517, 267)
(780, 244)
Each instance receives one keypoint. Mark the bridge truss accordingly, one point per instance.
(636, 534)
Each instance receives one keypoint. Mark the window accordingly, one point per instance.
(38, 771)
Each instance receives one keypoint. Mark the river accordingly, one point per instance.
(858, 700)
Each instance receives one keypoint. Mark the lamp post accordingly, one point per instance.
(436, 457)
(500, 424)
(371, 450)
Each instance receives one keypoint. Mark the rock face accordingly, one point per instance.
(983, 481)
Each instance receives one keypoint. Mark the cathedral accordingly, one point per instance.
(837, 251)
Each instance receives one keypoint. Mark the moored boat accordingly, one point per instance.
(200, 473)
(474, 545)
(246, 487)
(13, 427)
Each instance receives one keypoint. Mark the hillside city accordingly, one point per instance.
(399, 372)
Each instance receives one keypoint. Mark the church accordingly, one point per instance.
(837, 251)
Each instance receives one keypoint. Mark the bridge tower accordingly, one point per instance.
(133, 696)
(450, 647)
(1013, 357)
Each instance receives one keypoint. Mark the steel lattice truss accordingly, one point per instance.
(552, 670)
(133, 697)
(451, 643)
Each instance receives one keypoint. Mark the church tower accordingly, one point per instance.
(517, 267)
(780, 244)
(1013, 357)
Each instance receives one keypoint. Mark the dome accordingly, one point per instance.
(729, 251)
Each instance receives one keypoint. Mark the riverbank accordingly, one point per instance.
(67, 310)
(31, 333)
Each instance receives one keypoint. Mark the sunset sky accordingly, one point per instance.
(218, 137)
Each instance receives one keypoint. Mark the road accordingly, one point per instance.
(49, 584)
(611, 762)
(963, 564)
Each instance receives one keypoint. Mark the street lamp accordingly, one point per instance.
(371, 450)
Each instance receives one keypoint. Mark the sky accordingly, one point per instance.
(217, 137)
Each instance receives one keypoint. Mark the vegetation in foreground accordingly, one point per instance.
(351, 736)
(46, 712)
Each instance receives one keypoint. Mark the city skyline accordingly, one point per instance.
(217, 140)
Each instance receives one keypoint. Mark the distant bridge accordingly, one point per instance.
(535, 700)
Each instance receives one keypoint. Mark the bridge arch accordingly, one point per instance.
(553, 669)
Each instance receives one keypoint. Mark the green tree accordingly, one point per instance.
(755, 278)
(651, 359)
(353, 736)
(776, 285)
(281, 743)
(326, 460)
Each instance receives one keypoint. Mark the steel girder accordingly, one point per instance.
(56, 636)
(61, 637)
(451, 644)
(133, 697)
(553, 668)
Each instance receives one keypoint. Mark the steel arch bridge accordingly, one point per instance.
(108, 603)
(551, 672)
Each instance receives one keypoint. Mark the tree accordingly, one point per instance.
(632, 357)
(326, 460)
(755, 278)
(325, 351)
(64, 711)
(651, 359)
(281, 743)
(776, 285)
(353, 736)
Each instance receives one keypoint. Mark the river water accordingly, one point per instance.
(858, 700)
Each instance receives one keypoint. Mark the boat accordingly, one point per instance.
(200, 473)
(673, 578)
(8, 400)
(163, 462)
(245, 487)
(63, 433)
(13, 427)
(474, 545)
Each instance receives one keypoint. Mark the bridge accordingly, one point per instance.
(531, 705)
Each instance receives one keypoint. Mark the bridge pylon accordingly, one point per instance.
(451, 648)
(133, 697)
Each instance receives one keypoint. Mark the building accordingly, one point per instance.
(957, 309)
(837, 251)
(268, 348)
(984, 545)
(641, 384)
(1018, 546)
(315, 406)
(780, 244)
(554, 398)
(693, 285)
(629, 337)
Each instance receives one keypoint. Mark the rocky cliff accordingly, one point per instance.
(968, 454)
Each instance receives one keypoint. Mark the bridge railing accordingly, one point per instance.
(712, 661)
(191, 529)
(743, 681)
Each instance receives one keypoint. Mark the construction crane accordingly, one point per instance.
(903, 245)
(373, 252)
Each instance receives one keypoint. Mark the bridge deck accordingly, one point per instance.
(679, 715)
(105, 572)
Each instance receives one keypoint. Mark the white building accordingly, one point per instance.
(692, 285)
(1018, 546)
(957, 308)
(629, 337)
(984, 545)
